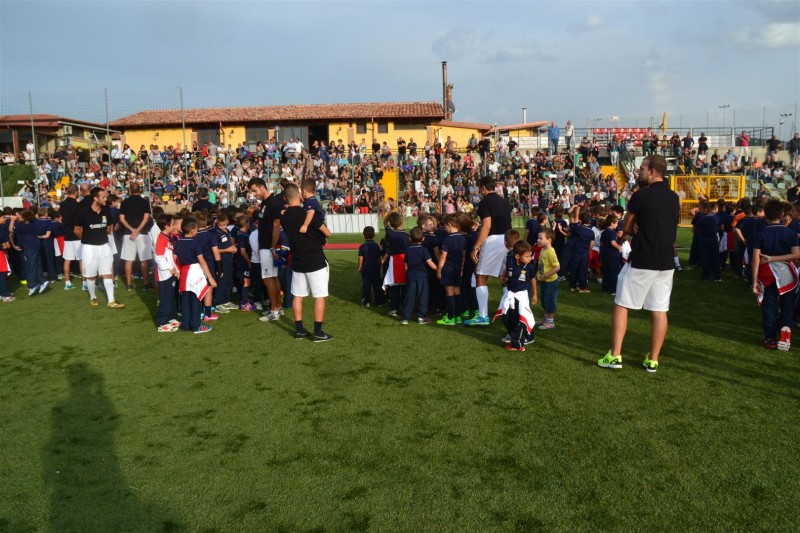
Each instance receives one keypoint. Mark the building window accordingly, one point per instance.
(400, 127)
(256, 134)
(361, 128)
(383, 127)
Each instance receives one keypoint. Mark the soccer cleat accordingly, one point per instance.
(246, 307)
(610, 361)
(583, 291)
(280, 312)
(478, 321)
(94, 302)
(512, 348)
(174, 323)
(85, 288)
(529, 340)
(258, 307)
(8, 299)
(404, 322)
(785, 340)
(465, 314)
(322, 337)
(221, 310)
(68, 286)
(113, 304)
(393, 312)
(167, 328)
(203, 329)
(547, 325)
(457, 319)
(230, 306)
(301, 334)
(43, 287)
(23, 282)
(506, 339)
(444, 321)
(270, 316)
(211, 317)
(33, 290)
(423, 320)
(770, 344)
(562, 278)
(365, 305)
(649, 364)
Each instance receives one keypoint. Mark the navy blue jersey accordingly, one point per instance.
(453, 246)
(397, 241)
(242, 243)
(207, 240)
(441, 235)
(606, 238)
(312, 204)
(559, 239)
(775, 239)
(25, 235)
(519, 276)
(580, 236)
(727, 222)
(224, 240)
(42, 226)
(533, 227)
(417, 258)
(57, 228)
(187, 250)
(707, 226)
(430, 243)
(4, 232)
(371, 253)
(795, 226)
(469, 245)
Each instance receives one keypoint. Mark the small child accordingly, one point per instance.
(561, 229)
(775, 248)
(418, 263)
(167, 274)
(255, 268)
(57, 229)
(610, 254)
(226, 245)
(582, 238)
(44, 231)
(547, 276)
(25, 237)
(208, 245)
(469, 300)
(450, 269)
(369, 266)
(5, 244)
(312, 207)
(242, 262)
(519, 277)
(193, 275)
(397, 242)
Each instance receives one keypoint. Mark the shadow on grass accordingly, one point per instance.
(88, 491)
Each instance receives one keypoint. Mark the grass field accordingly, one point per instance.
(107, 425)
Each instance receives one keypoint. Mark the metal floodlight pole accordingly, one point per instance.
(33, 142)
(2, 193)
(185, 146)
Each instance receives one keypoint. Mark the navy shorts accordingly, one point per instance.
(451, 276)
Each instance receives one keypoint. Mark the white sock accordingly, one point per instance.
(109, 285)
(90, 285)
(482, 294)
(677, 261)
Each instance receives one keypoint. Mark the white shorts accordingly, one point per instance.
(97, 260)
(72, 250)
(112, 243)
(140, 246)
(492, 257)
(316, 282)
(644, 289)
(268, 268)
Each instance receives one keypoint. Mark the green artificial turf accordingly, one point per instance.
(108, 426)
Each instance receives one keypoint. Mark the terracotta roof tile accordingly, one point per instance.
(469, 125)
(285, 113)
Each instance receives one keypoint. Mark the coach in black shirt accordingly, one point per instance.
(268, 232)
(490, 251)
(134, 216)
(646, 280)
(310, 272)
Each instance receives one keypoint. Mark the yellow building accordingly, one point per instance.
(51, 132)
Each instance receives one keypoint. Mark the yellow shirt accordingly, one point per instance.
(547, 261)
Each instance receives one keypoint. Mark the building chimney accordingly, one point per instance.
(447, 114)
(524, 115)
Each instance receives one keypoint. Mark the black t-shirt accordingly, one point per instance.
(401, 147)
(69, 212)
(772, 144)
(201, 205)
(95, 225)
(500, 212)
(657, 211)
(270, 210)
(134, 208)
(307, 254)
(512, 146)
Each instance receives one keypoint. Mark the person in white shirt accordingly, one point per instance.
(569, 131)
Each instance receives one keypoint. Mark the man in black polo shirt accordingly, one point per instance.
(646, 279)
(93, 226)
(202, 204)
(269, 229)
(134, 216)
(310, 273)
(490, 251)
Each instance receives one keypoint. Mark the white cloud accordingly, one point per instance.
(478, 46)
(772, 35)
(591, 23)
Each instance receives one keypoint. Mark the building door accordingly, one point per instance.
(205, 135)
(293, 132)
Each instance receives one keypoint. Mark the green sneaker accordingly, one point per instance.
(465, 314)
(457, 320)
(649, 364)
(444, 321)
(610, 361)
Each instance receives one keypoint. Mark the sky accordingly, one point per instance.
(584, 61)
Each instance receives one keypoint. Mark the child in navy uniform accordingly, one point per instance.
(469, 300)
(25, 236)
(242, 264)
(418, 263)
(582, 238)
(610, 251)
(561, 230)
(167, 273)
(208, 246)
(189, 253)
(44, 229)
(519, 277)
(5, 269)
(451, 267)
(706, 241)
(775, 248)
(397, 243)
(369, 266)
(226, 245)
(311, 205)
